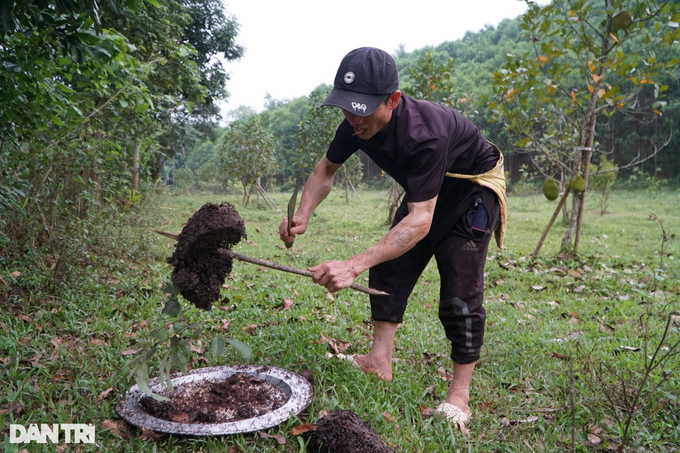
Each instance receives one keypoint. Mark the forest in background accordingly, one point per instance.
(460, 74)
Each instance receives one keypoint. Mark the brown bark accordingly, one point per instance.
(135, 169)
(550, 223)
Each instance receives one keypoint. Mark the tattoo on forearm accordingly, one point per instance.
(402, 238)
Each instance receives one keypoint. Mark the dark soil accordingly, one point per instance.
(199, 272)
(344, 432)
(240, 397)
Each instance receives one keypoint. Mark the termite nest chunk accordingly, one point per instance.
(199, 271)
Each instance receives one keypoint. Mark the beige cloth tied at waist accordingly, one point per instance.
(493, 179)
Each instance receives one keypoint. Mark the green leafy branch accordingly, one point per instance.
(171, 342)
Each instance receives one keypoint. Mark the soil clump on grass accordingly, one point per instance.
(199, 272)
(240, 397)
(344, 432)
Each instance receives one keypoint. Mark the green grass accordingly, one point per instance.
(59, 355)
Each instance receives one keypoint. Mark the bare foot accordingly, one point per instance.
(369, 365)
(460, 399)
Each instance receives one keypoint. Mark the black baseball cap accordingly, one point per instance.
(365, 78)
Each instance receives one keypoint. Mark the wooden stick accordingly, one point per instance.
(292, 270)
(552, 220)
(278, 267)
(166, 234)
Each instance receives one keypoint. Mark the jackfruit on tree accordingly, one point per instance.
(578, 184)
(550, 189)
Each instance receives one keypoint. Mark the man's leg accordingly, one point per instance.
(459, 389)
(396, 277)
(461, 258)
(379, 360)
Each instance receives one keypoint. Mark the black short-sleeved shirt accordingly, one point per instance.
(423, 142)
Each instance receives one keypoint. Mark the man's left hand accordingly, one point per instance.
(334, 275)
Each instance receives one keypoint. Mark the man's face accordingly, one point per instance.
(366, 127)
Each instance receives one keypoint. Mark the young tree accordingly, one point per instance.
(590, 59)
(248, 154)
(317, 130)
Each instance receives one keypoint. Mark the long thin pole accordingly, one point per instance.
(552, 220)
(278, 267)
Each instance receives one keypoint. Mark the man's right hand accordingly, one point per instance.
(299, 227)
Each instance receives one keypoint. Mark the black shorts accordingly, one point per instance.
(461, 256)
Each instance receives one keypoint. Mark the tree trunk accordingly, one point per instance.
(550, 223)
(346, 190)
(95, 181)
(586, 141)
(135, 169)
(244, 202)
(582, 205)
(572, 235)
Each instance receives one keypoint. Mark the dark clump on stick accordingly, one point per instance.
(344, 432)
(199, 271)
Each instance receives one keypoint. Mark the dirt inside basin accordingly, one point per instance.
(239, 397)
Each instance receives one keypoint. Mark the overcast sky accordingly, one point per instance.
(293, 46)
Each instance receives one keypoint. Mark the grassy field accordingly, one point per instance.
(564, 349)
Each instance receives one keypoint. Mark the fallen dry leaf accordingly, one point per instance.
(324, 339)
(130, 352)
(389, 418)
(15, 274)
(96, 341)
(429, 390)
(630, 349)
(538, 288)
(140, 325)
(444, 373)
(225, 326)
(604, 327)
(338, 346)
(60, 376)
(574, 273)
(300, 429)
(330, 297)
(508, 422)
(153, 436)
(485, 405)
(25, 318)
(113, 427)
(593, 439)
(235, 449)
(14, 408)
(278, 437)
(251, 329)
(287, 303)
(105, 393)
